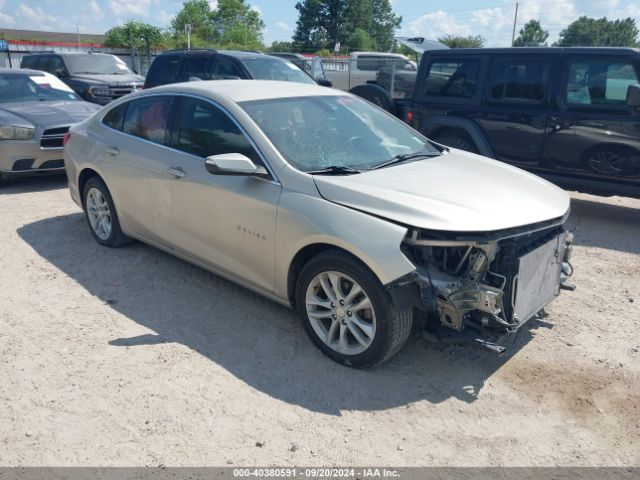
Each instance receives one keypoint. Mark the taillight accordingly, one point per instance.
(66, 138)
(409, 117)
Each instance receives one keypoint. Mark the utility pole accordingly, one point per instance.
(515, 20)
(187, 30)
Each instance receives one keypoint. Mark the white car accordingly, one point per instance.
(325, 203)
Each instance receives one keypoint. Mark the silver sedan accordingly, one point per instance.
(327, 204)
(36, 111)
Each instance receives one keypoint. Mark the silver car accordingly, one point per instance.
(36, 110)
(325, 203)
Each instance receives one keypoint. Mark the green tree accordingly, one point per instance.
(322, 23)
(135, 34)
(600, 32)
(198, 14)
(277, 46)
(456, 41)
(532, 35)
(361, 40)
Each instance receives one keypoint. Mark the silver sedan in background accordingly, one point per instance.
(36, 111)
(327, 204)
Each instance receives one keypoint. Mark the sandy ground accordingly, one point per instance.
(132, 357)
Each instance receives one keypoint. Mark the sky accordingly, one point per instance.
(493, 19)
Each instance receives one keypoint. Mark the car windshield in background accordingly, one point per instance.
(96, 64)
(273, 69)
(32, 88)
(334, 132)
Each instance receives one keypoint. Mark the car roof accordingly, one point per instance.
(247, 90)
(21, 71)
(532, 51)
(232, 53)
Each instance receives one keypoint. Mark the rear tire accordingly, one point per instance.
(347, 313)
(101, 215)
(6, 180)
(456, 141)
(377, 95)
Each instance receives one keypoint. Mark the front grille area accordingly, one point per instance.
(53, 137)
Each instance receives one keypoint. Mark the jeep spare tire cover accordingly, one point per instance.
(376, 95)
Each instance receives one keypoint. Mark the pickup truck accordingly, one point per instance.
(359, 68)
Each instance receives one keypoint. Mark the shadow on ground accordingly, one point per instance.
(40, 183)
(603, 225)
(255, 339)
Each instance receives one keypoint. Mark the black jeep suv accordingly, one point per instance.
(190, 65)
(571, 115)
(96, 77)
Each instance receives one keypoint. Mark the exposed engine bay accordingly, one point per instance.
(489, 283)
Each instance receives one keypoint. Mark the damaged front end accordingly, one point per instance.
(485, 285)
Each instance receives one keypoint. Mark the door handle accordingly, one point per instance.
(113, 151)
(176, 172)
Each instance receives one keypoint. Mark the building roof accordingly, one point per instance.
(52, 37)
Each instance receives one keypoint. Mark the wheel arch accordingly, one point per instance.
(437, 125)
(84, 176)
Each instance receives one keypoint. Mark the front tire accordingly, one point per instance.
(347, 313)
(101, 215)
(456, 141)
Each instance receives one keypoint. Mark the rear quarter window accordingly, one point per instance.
(28, 62)
(115, 117)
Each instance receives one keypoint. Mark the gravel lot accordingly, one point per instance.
(132, 357)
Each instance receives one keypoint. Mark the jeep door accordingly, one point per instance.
(516, 104)
(224, 221)
(593, 133)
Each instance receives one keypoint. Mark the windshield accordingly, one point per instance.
(33, 88)
(96, 64)
(314, 133)
(275, 69)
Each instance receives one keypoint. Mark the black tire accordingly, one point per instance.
(393, 326)
(6, 180)
(376, 95)
(456, 141)
(116, 238)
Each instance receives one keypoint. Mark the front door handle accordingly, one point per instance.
(176, 172)
(113, 151)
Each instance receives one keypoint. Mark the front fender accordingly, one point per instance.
(304, 220)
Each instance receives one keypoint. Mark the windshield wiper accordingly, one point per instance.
(334, 170)
(403, 157)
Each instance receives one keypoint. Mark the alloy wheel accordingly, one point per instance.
(98, 213)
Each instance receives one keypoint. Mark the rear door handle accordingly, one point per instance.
(176, 172)
(113, 151)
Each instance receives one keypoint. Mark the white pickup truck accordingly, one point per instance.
(362, 67)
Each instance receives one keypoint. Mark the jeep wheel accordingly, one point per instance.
(456, 141)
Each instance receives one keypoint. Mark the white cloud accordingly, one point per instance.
(213, 4)
(138, 8)
(256, 8)
(437, 24)
(282, 26)
(95, 10)
(6, 19)
(164, 17)
(34, 14)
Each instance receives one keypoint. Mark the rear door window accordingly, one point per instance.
(28, 62)
(44, 63)
(148, 118)
(164, 70)
(225, 69)
(519, 81)
(452, 78)
(598, 82)
(202, 129)
(195, 66)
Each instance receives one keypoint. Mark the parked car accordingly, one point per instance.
(362, 67)
(326, 204)
(310, 64)
(571, 115)
(36, 110)
(96, 77)
(189, 65)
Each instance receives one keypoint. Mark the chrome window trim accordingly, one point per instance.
(274, 179)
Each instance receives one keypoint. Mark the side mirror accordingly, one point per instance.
(60, 73)
(195, 79)
(233, 164)
(325, 82)
(633, 96)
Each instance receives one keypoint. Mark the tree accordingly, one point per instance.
(361, 40)
(135, 34)
(232, 24)
(277, 46)
(323, 23)
(455, 41)
(532, 35)
(600, 32)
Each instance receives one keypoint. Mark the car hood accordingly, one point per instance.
(457, 191)
(47, 114)
(113, 80)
